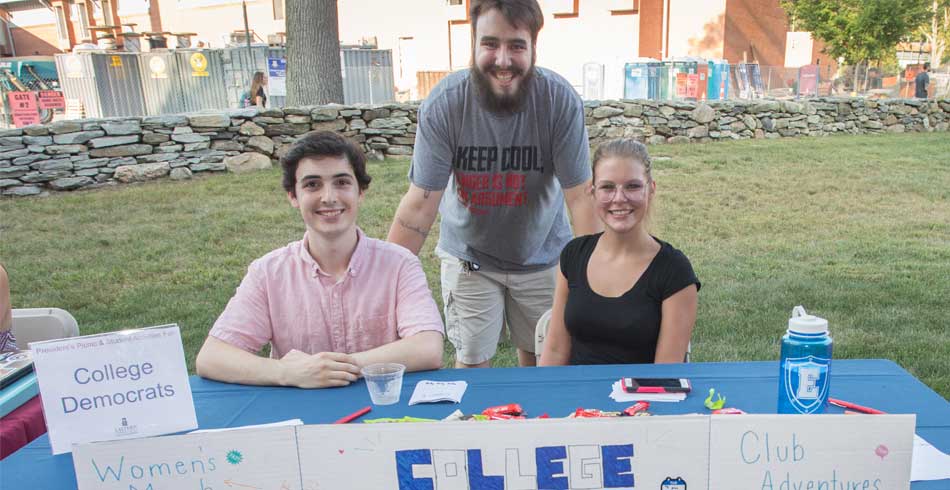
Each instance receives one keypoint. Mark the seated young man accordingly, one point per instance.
(330, 303)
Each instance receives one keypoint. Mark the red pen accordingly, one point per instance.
(852, 406)
(353, 416)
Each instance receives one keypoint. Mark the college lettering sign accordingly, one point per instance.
(687, 452)
(119, 385)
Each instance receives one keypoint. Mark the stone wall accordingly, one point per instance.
(90, 153)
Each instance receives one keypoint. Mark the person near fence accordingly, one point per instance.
(499, 149)
(622, 296)
(330, 303)
(922, 82)
(256, 96)
(7, 340)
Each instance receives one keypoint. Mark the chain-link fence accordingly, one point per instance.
(29, 74)
(846, 81)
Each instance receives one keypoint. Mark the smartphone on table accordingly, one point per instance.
(655, 385)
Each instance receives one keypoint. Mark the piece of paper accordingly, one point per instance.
(282, 423)
(619, 395)
(438, 391)
(929, 463)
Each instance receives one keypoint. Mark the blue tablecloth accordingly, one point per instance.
(751, 386)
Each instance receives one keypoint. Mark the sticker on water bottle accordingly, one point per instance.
(671, 483)
(806, 382)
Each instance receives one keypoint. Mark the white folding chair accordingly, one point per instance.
(541, 331)
(36, 324)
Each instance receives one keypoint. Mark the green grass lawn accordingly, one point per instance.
(857, 229)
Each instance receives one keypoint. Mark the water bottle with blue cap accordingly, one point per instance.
(805, 366)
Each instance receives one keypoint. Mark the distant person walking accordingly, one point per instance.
(256, 97)
(921, 82)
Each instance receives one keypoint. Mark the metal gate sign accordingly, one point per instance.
(199, 65)
(23, 108)
(157, 67)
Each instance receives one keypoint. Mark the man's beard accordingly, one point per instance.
(502, 103)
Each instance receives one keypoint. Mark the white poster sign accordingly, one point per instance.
(790, 452)
(630, 452)
(119, 385)
(238, 460)
(277, 77)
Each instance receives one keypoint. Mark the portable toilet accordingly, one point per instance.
(701, 78)
(717, 87)
(637, 79)
(659, 81)
(680, 81)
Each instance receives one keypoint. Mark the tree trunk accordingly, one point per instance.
(854, 83)
(867, 71)
(313, 53)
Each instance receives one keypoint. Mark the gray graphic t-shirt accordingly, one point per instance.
(503, 207)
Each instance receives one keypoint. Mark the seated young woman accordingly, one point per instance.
(622, 296)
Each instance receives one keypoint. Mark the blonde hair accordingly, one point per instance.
(627, 148)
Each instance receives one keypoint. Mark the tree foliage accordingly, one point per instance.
(859, 30)
(937, 31)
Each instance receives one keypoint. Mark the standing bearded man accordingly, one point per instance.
(507, 140)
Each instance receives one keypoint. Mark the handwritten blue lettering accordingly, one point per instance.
(117, 475)
(477, 478)
(618, 472)
(404, 462)
(549, 461)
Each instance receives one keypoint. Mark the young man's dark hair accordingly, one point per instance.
(323, 144)
(520, 13)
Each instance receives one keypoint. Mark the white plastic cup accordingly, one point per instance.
(384, 382)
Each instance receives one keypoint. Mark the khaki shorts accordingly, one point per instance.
(478, 304)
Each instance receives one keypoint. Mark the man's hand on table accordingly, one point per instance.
(321, 370)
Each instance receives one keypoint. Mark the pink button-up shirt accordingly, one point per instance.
(285, 299)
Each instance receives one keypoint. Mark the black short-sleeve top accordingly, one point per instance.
(625, 329)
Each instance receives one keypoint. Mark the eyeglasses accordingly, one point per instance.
(606, 191)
